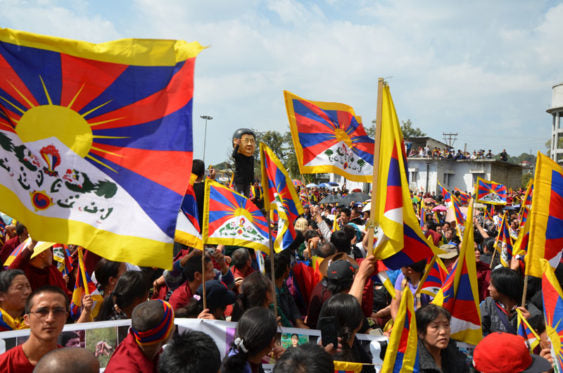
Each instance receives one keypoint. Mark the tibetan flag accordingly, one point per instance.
(527, 332)
(462, 197)
(347, 367)
(459, 216)
(96, 141)
(490, 192)
(84, 285)
(401, 354)
(526, 204)
(503, 243)
(434, 277)
(546, 220)
(188, 231)
(447, 197)
(553, 312)
(329, 137)
(232, 219)
(422, 213)
(459, 294)
(383, 277)
(402, 242)
(279, 196)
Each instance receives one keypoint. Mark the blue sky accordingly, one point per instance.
(483, 69)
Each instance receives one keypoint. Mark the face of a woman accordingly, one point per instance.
(16, 296)
(438, 333)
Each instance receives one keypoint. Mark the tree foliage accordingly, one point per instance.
(406, 127)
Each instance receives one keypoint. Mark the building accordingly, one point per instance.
(556, 110)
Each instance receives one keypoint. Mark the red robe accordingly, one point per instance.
(128, 357)
(181, 296)
(39, 277)
(15, 361)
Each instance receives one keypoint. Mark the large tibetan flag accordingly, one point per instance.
(433, 278)
(401, 354)
(553, 312)
(232, 219)
(401, 241)
(279, 196)
(527, 332)
(84, 286)
(459, 294)
(96, 141)
(490, 192)
(503, 243)
(546, 216)
(188, 231)
(329, 137)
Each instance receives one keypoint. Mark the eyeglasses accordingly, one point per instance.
(45, 311)
(248, 141)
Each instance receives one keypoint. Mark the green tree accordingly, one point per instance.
(406, 127)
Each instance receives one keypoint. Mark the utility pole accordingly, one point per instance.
(449, 138)
(206, 118)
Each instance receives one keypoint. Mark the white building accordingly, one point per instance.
(556, 110)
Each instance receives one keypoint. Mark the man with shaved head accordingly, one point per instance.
(68, 360)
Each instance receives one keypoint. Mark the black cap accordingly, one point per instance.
(217, 294)
(340, 270)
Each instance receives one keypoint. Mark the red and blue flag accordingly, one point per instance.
(553, 312)
(96, 141)
(188, 231)
(434, 277)
(503, 243)
(462, 196)
(232, 219)
(329, 137)
(84, 286)
(527, 332)
(279, 196)
(447, 197)
(490, 192)
(401, 241)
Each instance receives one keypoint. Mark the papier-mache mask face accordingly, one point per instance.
(247, 145)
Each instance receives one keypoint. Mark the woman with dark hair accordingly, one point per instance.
(14, 291)
(107, 274)
(348, 317)
(254, 339)
(131, 290)
(436, 351)
(498, 311)
(255, 291)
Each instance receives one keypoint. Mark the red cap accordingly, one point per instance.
(506, 353)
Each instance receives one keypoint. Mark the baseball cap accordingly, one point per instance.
(506, 353)
(217, 294)
(340, 270)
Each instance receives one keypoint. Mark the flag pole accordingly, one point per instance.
(203, 277)
(376, 147)
(272, 274)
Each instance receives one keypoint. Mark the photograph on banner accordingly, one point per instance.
(73, 338)
(294, 339)
(102, 343)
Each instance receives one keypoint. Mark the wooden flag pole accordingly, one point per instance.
(272, 274)
(376, 147)
(203, 277)
(525, 291)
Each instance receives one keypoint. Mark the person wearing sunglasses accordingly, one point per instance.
(46, 311)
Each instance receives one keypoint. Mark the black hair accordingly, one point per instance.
(191, 351)
(67, 336)
(282, 261)
(350, 232)
(253, 293)
(41, 290)
(341, 242)
(104, 270)
(346, 211)
(256, 329)
(130, 287)
(20, 228)
(348, 316)
(240, 257)
(307, 358)
(6, 278)
(537, 322)
(338, 286)
(310, 234)
(508, 283)
(488, 243)
(193, 266)
(428, 313)
(198, 167)
(147, 315)
(299, 239)
(325, 249)
(418, 266)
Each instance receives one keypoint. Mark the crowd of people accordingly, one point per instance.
(450, 153)
(327, 272)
